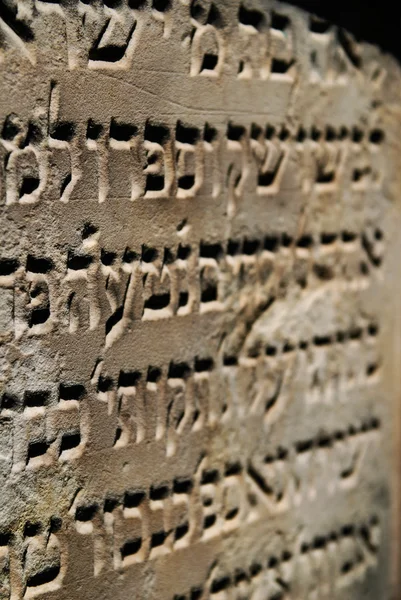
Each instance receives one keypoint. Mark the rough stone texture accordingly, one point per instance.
(199, 303)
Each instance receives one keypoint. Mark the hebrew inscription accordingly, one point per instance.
(199, 303)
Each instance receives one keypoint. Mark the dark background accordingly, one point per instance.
(378, 22)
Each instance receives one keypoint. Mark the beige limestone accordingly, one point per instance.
(199, 303)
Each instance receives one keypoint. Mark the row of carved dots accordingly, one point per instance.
(176, 370)
(234, 247)
(134, 498)
(70, 440)
(201, 12)
(74, 391)
(187, 134)
(159, 133)
(183, 370)
(32, 529)
(219, 584)
(320, 341)
(325, 440)
(159, 5)
(210, 14)
(41, 398)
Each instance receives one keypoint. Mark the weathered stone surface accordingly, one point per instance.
(199, 303)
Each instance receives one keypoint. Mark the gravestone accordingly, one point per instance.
(199, 303)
